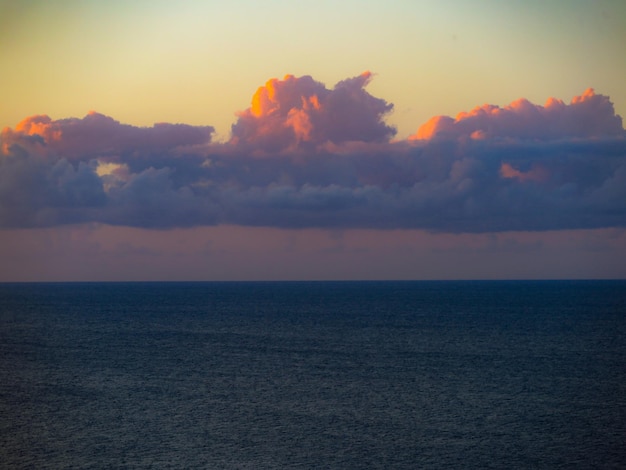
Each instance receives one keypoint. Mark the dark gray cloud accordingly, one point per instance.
(487, 176)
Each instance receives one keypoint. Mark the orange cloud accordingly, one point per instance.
(435, 125)
(537, 173)
(39, 124)
(287, 114)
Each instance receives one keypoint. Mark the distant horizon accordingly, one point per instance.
(320, 281)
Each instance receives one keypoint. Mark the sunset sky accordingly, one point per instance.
(245, 140)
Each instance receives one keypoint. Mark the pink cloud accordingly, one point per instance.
(589, 115)
(298, 112)
(100, 135)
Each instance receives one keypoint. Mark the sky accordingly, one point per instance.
(307, 140)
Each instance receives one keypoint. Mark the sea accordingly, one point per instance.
(308, 375)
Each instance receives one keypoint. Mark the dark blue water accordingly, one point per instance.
(313, 375)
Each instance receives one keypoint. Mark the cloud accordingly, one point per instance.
(35, 191)
(588, 115)
(328, 162)
(299, 112)
(100, 135)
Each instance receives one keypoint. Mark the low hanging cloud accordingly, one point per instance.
(305, 156)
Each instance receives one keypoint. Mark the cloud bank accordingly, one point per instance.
(305, 156)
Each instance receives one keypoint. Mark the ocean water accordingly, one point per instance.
(469, 375)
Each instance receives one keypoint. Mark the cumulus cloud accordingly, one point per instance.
(300, 112)
(588, 115)
(328, 161)
(100, 135)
